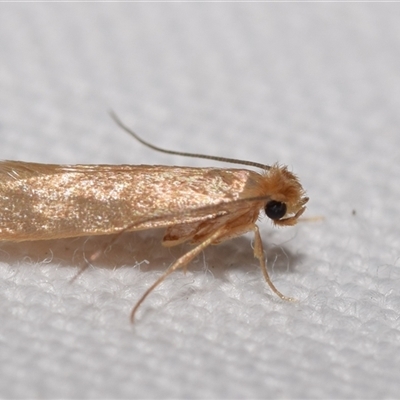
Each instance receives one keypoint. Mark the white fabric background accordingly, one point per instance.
(314, 86)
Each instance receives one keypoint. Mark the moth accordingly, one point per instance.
(203, 206)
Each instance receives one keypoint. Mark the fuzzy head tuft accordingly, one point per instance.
(285, 196)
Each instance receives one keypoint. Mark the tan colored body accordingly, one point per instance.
(44, 201)
(201, 205)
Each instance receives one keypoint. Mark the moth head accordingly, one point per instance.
(286, 196)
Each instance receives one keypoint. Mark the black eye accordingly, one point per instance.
(275, 209)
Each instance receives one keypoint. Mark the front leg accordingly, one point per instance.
(259, 253)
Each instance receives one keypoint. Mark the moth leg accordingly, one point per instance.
(180, 263)
(93, 257)
(259, 253)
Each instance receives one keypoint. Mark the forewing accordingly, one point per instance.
(39, 201)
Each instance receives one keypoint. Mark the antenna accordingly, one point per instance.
(184, 154)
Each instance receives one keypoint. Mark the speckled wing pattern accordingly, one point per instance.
(44, 201)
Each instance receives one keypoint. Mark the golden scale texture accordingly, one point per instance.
(201, 205)
(39, 201)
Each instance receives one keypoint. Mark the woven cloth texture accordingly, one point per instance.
(315, 86)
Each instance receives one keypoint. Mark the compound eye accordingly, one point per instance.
(275, 209)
